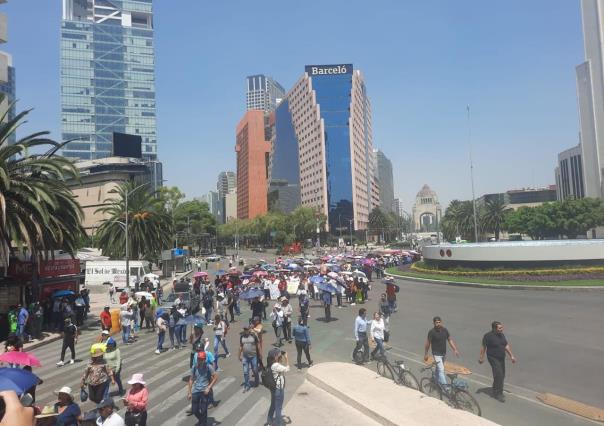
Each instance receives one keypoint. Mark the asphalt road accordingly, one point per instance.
(553, 334)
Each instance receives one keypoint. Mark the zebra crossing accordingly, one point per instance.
(166, 376)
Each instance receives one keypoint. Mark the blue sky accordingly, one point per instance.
(423, 62)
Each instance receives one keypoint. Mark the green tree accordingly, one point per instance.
(193, 218)
(492, 216)
(37, 209)
(149, 224)
(577, 217)
(458, 221)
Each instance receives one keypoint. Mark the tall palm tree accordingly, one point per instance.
(149, 225)
(493, 216)
(38, 212)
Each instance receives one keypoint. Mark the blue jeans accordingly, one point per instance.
(274, 412)
(160, 340)
(379, 347)
(237, 308)
(217, 342)
(178, 335)
(208, 314)
(171, 333)
(125, 333)
(183, 335)
(250, 361)
(199, 407)
(118, 381)
(21, 330)
(106, 391)
(439, 371)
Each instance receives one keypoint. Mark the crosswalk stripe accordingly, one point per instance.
(237, 398)
(256, 414)
(182, 415)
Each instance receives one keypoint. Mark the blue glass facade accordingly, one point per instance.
(333, 94)
(107, 76)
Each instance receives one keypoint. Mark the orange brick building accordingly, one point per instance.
(252, 150)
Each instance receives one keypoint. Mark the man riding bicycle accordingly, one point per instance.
(437, 339)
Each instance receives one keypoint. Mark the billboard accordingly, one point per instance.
(125, 145)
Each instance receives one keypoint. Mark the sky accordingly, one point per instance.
(423, 62)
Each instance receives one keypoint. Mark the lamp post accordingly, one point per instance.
(128, 194)
(351, 246)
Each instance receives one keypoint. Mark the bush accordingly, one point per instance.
(500, 271)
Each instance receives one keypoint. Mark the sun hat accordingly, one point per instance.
(97, 352)
(107, 402)
(137, 378)
(66, 390)
(105, 332)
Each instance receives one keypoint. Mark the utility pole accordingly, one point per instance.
(351, 245)
(472, 177)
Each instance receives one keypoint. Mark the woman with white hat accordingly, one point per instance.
(136, 401)
(69, 412)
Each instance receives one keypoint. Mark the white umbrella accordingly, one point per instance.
(151, 276)
(359, 274)
(332, 275)
(140, 294)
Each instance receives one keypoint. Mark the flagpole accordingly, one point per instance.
(472, 176)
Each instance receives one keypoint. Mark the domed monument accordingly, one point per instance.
(425, 210)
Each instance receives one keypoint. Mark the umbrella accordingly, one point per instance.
(17, 380)
(146, 294)
(357, 274)
(151, 276)
(194, 319)
(200, 274)
(332, 275)
(20, 358)
(261, 273)
(63, 293)
(327, 287)
(295, 267)
(234, 272)
(251, 293)
(221, 272)
(390, 282)
(317, 279)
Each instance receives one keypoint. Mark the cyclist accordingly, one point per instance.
(437, 339)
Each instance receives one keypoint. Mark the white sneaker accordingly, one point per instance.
(157, 351)
(60, 363)
(228, 355)
(72, 361)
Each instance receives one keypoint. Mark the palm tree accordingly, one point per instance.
(458, 220)
(37, 209)
(149, 225)
(493, 215)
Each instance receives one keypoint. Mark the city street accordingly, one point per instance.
(549, 332)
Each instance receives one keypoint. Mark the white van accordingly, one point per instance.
(114, 272)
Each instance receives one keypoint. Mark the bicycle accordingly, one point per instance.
(456, 394)
(397, 372)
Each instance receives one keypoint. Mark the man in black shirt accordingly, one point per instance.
(496, 346)
(70, 338)
(437, 339)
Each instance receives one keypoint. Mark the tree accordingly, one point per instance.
(492, 216)
(193, 217)
(379, 222)
(577, 217)
(458, 221)
(37, 209)
(149, 224)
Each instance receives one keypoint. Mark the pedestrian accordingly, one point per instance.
(302, 338)
(257, 307)
(181, 325)
(80, 309)
(278, 363)
(113, 358)
(112, 293)
(437, 339)
(162, 327)
(360, 335)
(66, 312)
(377, 331)
(142, 309)
(326, 296)
(56, 313)
(258, 329)
(231, 304)
(207, 301)
(107, 415)
(38, 319)
(202, 379)
(69, 413)
(391, 294)
(136, 401)
(123, 297)
(70, 338)
(304, 306)
(126, 321)
(496, 346)
(220, 331)
(172, 318)
(97, 376)
(277, 317)
(249, 351)
(197, 341)
(22, 318)
(384, 309)
(287, 319)
(105, 317)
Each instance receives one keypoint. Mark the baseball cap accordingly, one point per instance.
(201, 355)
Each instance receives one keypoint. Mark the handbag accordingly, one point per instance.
(132, 418)
(83, 395)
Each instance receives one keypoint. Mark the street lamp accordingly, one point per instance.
(128, 194)
(351, 246)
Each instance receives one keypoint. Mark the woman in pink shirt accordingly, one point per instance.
(136, 401)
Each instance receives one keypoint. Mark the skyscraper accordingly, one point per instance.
(252, 149)
(107, 75)
(263, 93)
(590, 93)
(7, 78)
(328, 115)
(383, 171)
(227, 182)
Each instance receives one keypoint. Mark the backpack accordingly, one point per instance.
(267, 378)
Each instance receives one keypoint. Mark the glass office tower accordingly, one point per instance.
(107, 75)
(263, 93)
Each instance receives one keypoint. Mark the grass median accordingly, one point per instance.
(496, 281)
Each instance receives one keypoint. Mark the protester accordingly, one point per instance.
(162, 327)
(220, 331)
(304, 304)
(249, 351)
(105, 317)
(277, 317)
(302, 338)
(69, 413)
(278, 363)
(126, 322)
(495, 345)
(326, 297)
(22, 318)
(70, 338)
(197, 341)
(136, 401)
(97, 376)
(287, 319)
(107, 415)
(202, 379)
(113, 358)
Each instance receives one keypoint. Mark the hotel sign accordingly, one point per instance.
(328, 69)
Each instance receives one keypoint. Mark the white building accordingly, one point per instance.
(569, 175)
(426, 210)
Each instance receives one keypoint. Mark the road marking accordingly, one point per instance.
(226, 408)
(256, 414)
(574, 407)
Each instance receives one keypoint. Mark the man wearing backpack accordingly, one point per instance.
(202, 379)
(249, 351)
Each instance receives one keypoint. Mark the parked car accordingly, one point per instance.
(214, 258)
(192, 303)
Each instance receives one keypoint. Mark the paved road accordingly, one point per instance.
(545, 329)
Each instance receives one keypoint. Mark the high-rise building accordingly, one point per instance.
(227, 182)
(590, 93)
(252, 148)
(397, 208)
(214, 204)
(328, 114)
(7, 78)
(569, 175)
(263, 93)
(107, 75)
(383, 172)
(230, 206)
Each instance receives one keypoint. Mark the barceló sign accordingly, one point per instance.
(328, 69)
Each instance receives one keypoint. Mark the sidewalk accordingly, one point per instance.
(99, 298)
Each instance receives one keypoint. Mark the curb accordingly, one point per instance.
(500, 286)
(42, 343)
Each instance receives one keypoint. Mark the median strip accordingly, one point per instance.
(575, 407)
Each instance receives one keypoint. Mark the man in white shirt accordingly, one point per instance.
(107, 416)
